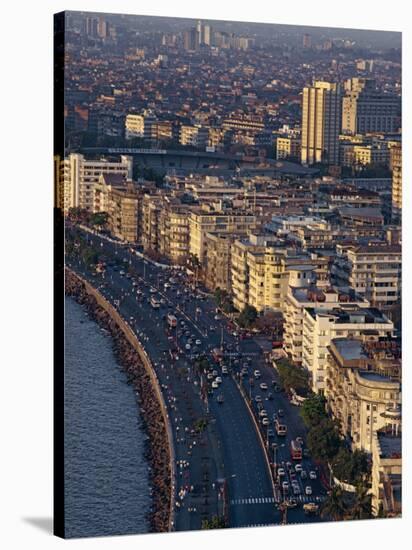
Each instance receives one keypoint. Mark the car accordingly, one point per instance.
(188, 347)
(303, 474)
(270, 396)
(299, 440)
(224, 369)
(244, 371)
(263, 413)
(152, 290)
(210, 376)
(285, 486)
(263, 386)
(270, 432)
(308, 490)
(298, 468)
(312, 474)
(198, 342)
(215, 373)
(306, 453)
(218, 380)
(296, 489)
(281, 413)
(291, 503)
(258, 399)
(281, 472)
(265, 421)
(311, 508)
(220, 398)
(215, 385)
(217, 317)
(257, 373)
(166, 285)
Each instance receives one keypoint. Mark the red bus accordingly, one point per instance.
(295, 450)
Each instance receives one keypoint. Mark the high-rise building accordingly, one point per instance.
(191, 39)
(307, 41)
(207, 35)
(91, 26)
(81, 175)
(366, 110)
(396, 161)
(321, 123)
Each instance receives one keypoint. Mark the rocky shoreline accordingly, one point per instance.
(157, 451)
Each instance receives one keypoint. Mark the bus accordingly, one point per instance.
(280, 428)
(154, 303)
(171, 320)
(295, 450)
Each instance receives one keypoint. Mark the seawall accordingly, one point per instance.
(141, 375)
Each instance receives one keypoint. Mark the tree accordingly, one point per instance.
(292, 376)
(247, 316)
(335, 506)
(324, 441)
(214, 523)
(351, 467)
(224, 301)
(362, 507)
(99, 218)
(313, 410)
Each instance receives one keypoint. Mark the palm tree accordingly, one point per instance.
(362, 508)
(334, 506)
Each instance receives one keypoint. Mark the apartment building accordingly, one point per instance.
(366, 110)
(387, 470)
(217, 261)
(320, 326)
(151, 211)
(396, 161)
(227, 221)
(81, 176)
(174, 232)
(358, 394)
(298, 299)
(288, 148)
(373, 271)
(134, 126)
(321, 123)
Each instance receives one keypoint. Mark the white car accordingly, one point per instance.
(265, 421)
(166, 285)
(224, 370)
(298, 468)
(218, 380)
(198, 342)
(188, 347)
(263, 413)
(257, 373)
(312, 474)
(281, 472)
(215, 385)
(308, 490)
(263, 386)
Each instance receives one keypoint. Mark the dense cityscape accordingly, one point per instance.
(232, 198)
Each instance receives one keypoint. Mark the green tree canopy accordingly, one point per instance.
(292, 376)
(351, 467)
(335, 506)
(324, 441)
(247, 316)
(313, 410)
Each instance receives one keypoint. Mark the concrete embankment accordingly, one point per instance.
(159, 448)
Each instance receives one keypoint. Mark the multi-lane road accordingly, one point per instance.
(225, 467)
